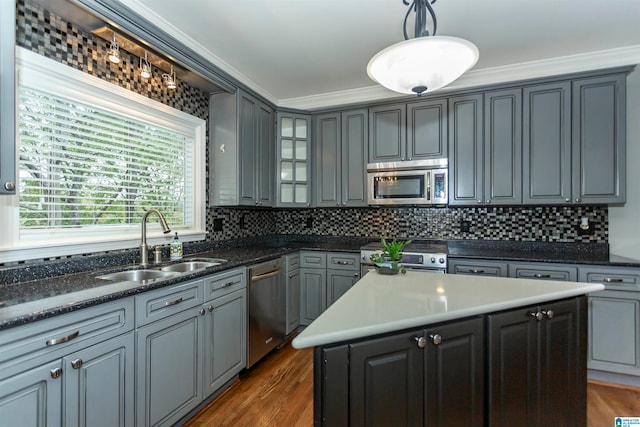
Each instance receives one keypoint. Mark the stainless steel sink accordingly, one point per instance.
(138, 275)
(191, 265)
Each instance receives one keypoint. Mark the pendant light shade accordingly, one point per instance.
(425, 63)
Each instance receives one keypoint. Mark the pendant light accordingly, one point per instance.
(424, 63)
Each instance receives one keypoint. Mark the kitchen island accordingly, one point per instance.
(432, 349)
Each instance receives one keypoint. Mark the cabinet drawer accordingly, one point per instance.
(619, 279)
(543, 272)
(155, 305)
(87, 326)
(292, 262)
(343, 261)
(478, 268)
(313, 260)
(224, 283)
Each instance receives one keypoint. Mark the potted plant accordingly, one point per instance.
(388, 262)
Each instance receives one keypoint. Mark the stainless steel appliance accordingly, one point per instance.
(267, 309)
(416, 182)
(423, 256)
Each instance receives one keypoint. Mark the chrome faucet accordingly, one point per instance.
(144, 248)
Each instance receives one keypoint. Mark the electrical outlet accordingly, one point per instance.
(309, 222)
(465, 226)
(241, 223)
(217, 224)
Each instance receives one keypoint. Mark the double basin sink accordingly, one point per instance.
(167, 272)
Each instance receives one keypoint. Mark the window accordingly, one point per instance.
(93, 158)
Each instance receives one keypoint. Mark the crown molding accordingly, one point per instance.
(603, 59)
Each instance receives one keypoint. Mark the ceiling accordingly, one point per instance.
(313, 53)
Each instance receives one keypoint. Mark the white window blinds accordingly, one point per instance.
(83, 167)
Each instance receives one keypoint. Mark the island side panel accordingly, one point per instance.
(331, 386)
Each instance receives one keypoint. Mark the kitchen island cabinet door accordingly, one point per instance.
(454, 374)
(546, 152)
(386, 377)
(169, 368)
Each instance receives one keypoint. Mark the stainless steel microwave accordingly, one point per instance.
(408, 183)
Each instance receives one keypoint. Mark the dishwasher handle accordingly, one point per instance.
(266, 275)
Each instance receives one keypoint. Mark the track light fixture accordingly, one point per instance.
(170, 79)
(145, 67)
(114, 50)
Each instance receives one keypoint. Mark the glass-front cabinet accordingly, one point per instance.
(294, 162)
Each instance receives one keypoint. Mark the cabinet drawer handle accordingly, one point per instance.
(77, 364)
(63, 339)
(476, 271)
(341, 262)
(174, 302)
(56, 373)
(610, 280)
(226, 285)
(542, 276)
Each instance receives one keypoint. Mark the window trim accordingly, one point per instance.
(52, 75)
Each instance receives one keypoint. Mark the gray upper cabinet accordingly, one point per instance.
(387, 133)
(403, 132)
(341, 150)
(241, 150)
(599, 140)
(293, 160)
(7, 98)
(547, 144)
(503, 147)
(465, 150)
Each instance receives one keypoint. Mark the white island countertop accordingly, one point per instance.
(378, 303)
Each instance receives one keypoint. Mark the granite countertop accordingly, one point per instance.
(393, 303)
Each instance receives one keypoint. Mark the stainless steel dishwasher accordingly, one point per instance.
(267, 309)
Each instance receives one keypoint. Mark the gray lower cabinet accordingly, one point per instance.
(542, 271)
(480, 267)
(408, 378)
(537, 369)
(74, 370)
(614, 319)
(292, 282)
(225, 329)
(341, 143)
(169, 355)
(324, 277)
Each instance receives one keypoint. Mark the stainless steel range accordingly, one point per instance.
(423, 256)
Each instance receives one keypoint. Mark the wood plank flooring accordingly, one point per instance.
(278, 392)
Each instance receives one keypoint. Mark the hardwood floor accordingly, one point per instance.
(279, 392)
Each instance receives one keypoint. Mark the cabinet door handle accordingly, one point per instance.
(611, 280)
(77, 364)
(578, 199)
(56, 373)
(174, 302)
(567, 200)
(436, 339)
(356, 274)
(202, 311)
(421, 341)
(55, 341)
(548, 313)
(210, 308)
(542, 276)
(476, 271)
(538, 315)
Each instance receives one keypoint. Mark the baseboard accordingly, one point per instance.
(613, 378)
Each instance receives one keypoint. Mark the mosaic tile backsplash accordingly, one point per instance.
(533, 224)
